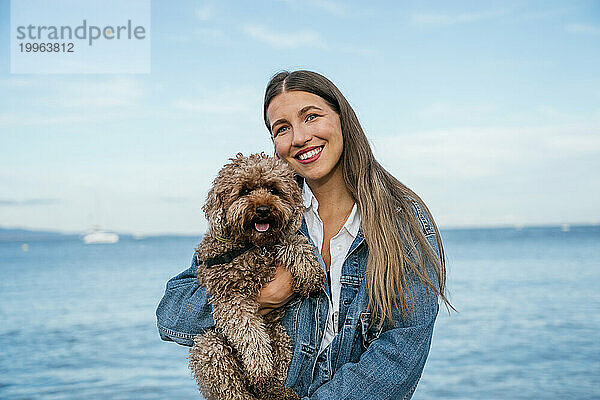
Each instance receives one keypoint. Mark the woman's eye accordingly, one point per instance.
(310, 117)
(281, 130)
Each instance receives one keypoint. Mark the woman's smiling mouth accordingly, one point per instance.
(309, 155)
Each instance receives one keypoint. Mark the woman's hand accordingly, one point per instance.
(276, 293)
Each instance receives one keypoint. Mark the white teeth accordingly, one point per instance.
(310, 154)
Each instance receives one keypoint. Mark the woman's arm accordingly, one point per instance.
(184, 310)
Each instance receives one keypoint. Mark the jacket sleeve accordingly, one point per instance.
(184, 311)
(391, 366)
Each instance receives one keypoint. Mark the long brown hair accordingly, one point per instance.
(379, 195)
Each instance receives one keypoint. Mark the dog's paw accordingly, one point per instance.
(298, 255)
(272, 389)
(309, 274)
(315, 275)
(288, 394)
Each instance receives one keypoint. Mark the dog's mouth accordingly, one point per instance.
(262, 226)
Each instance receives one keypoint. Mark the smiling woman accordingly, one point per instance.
(367, 334)
(305, 135)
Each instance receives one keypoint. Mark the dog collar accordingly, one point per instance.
(227, 257)
(222, 240)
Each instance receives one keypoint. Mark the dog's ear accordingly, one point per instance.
(295, 220)
(290, 187)
(214, 210)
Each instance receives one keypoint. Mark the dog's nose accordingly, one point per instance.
(262, 211)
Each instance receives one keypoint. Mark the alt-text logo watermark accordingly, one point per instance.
(81, 36)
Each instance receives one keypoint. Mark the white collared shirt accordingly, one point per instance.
(338, 249)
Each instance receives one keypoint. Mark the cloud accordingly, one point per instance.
(474, 153)
(205, 106)
(284, 40)
(583, 29)
(35, 119)
(205, 12)
(29, 202)
(15, 82)
(358, 50)
(107, 93)
(332, 7)
(429, 19)
(577, 143)
(228, 100)
(75, 101)
(210, 107)
(454, 111)
(547, 13)
(212, 35)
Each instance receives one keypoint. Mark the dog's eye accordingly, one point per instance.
(274, 190)
(245, 191)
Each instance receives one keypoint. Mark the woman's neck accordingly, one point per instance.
(332, 194)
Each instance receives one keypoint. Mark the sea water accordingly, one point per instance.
(78, 321)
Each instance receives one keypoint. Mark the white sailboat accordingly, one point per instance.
(99, 236)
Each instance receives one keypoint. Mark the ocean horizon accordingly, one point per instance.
(17, 233)
(78, 321)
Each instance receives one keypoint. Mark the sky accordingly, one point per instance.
(490, 111)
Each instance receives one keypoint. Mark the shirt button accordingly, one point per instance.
(339, 247)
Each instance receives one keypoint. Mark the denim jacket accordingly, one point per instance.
(362, 362)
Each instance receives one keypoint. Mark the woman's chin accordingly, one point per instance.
(310, 174)
(322, 174)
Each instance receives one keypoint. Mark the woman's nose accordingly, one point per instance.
(301, 136)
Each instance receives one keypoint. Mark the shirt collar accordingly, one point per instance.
(352, 224)
(308, 198)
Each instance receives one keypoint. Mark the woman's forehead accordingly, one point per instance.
(293, 101)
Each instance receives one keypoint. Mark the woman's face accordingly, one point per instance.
(307, 134)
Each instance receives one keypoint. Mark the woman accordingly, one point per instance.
(367, 334)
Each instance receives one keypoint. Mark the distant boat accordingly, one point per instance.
(100, 236)
(565, 227)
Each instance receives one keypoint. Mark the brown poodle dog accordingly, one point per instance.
(254, 212)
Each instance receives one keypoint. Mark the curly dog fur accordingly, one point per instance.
(254, 203)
